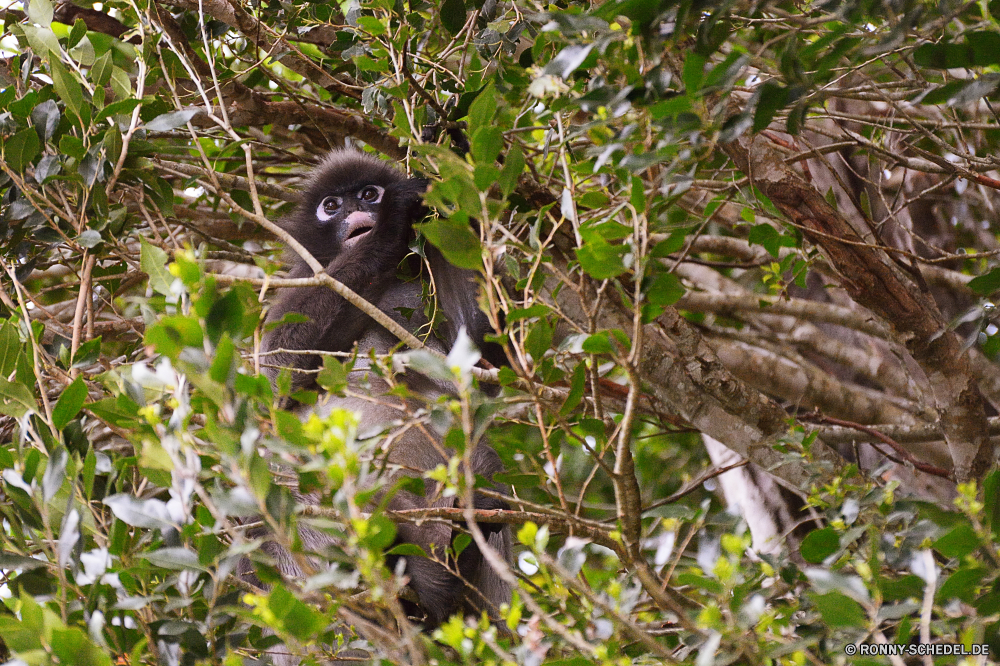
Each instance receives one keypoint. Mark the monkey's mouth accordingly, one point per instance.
(358, 225)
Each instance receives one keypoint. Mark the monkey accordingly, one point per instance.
(356, 217)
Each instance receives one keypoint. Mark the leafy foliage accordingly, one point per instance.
(585, 159)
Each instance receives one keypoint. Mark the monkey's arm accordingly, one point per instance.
(457, 293)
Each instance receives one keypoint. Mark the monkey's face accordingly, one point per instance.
(344, 202)
(351, 215)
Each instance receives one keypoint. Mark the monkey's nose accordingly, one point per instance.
(356, 226)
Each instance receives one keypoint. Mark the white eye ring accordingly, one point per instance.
(379, 191)
(321, 213)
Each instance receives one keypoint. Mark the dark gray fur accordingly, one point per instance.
(368, 265)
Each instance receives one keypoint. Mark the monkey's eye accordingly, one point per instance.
(327, 208)
(371, 194)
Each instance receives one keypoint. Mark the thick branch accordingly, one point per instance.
(873, 280)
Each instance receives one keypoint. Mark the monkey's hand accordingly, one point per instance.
(403, 204)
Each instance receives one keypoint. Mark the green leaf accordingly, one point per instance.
(296, 617)
(664, 289)
(773, 97)
(959, 542)
(153, 261)
(42, 40)
(225, 316)
(598, 343)
(16, 399)
(169, 121)
(372, 25)
(536, 310)
(222, 365)
(985, 45)
(908, 587)
(602, 260)
(69, 404)
(87, 353)
(455, 240)
(963, 584)
(694, 72)
(100, 73)
(67, 87)
(839, 610)
(513, 167)
(578, 385)
(481, 111)
(539, 339)
(89, 238)
(991, 500)
(378, 533)
(487, 143)
(40, 12)
(10, 348)
(72, 146)
(172, 334)
(78, 32)
(333, 376)
(453, 15)
(943, 56)
(769, 238)
(20, 149)
(46, 117)
(407, 549)
(819, 545)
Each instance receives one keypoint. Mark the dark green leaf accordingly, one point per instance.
(819, 545)
(100, 73)
(773, 97)
(455, 240)
(69, 404)
(959, 542)
(46, 117)
(77, 33)
(963, 584)
(665, 289)
(513, 167)
(20, 149)
(407, 549)
(225, 316)
(984, 285)
(487, 143)
(539, 339)
(67, 87)
(839, 610)
(599, 343)
(907, 587)
(10, 347)
(87, 353)
(89, 238)
(453, 15)
(943, 56)
(578, 385)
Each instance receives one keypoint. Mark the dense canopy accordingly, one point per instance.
(772, 225)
